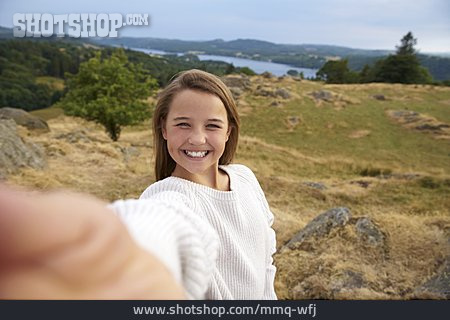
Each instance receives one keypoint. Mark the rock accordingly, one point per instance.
(407, 114)
(265, 92)
(379, 97)
(267, 75)
(237, 81)
(236, 92)
(74, 136)
(421, 123)
(432, 127)
(15, 153)
(317, 194)
(293, 121)
(323, 95)
(129, 152)
(369, 232)
(321, 225)
(283, 93)
(348, 279)
(313, 287)
(275, 103)
(315, 185)
(25, 119)
(362, 183)
(438, 285)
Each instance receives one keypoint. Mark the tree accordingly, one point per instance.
(337, 72)
(402, 67)
(365, 74)
(109, 91)
(407, 45)
(292, 72)
(230, 69)
(245, 70)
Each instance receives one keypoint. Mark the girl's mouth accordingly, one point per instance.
(196, 154)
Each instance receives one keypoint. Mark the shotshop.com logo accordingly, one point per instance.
(74, 25)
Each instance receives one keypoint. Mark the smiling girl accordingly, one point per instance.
(196, 129)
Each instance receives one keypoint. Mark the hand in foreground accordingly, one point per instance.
(69, 246)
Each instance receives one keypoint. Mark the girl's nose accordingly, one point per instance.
(197, 138)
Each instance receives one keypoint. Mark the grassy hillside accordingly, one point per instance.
(325, 128)
(344, 140)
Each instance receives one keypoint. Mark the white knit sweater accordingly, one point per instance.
(218, 244)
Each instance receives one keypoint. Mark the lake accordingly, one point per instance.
(277, 69)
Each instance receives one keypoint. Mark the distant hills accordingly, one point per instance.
(303, 55)
(248, 47)
(297, 55)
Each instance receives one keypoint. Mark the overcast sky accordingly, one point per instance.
(366, 24)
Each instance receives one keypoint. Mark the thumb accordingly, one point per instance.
(34, 223)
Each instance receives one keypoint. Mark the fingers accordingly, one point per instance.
(62, 245)
(36, 224)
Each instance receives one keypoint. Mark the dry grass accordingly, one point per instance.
(95, 165)
(415, 249)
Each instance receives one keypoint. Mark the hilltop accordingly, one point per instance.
(380, 150)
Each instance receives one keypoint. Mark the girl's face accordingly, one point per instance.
(196, 130)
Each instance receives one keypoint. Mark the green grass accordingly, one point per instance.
(324, 131)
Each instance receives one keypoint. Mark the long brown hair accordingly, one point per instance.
(193, 80)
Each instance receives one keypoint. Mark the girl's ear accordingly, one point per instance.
(228, 133)
(163, 129)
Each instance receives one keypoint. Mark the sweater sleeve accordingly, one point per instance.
(175, 235)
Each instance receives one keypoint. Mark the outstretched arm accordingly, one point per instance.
(70, 246)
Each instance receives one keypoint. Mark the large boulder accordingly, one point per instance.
(15, 153)
(321, 226)
(23, 118)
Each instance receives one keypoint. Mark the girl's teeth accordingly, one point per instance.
(199, 154)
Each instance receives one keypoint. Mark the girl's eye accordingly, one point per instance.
(183, 124)
(215, 126)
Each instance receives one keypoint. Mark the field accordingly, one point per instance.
(380, 150)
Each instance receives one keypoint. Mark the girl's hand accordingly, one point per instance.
(67, 246)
